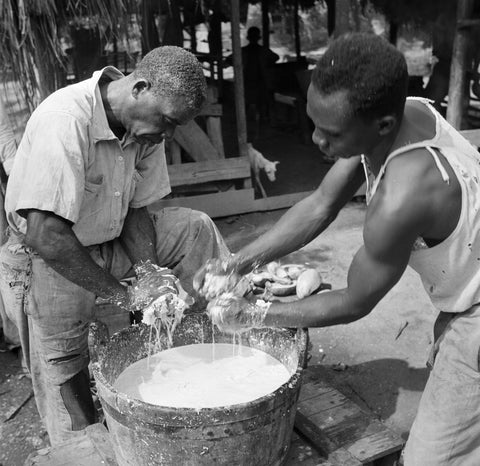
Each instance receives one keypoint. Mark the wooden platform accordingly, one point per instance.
(330, 430)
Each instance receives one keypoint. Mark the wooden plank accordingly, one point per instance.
(285, 99)
(279, 202)
(302, 453)
(332, 421)
(175, 152)
(214, 131)
(195, 142)
(215, 205)
(457, 100)
(381, 442)
(207, 171)
(334, 454)
(214, 110)
(322, 402)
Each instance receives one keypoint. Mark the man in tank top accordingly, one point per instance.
(423, 210)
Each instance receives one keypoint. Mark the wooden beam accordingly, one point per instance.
(238, 79)
(265, 24)
(296, 24)
(215, 205)
(214, 131)
(212, 110)
(458, 69)
(212, 170)
(195, 142)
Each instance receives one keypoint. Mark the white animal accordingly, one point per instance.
(259, 162)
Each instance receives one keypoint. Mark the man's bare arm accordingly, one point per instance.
(306, 219)
(390, 232)
(53, 239)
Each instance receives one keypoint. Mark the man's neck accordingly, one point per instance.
(110, 98)
(377, 156)
(417, 124)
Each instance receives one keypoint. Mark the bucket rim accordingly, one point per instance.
(126, 405)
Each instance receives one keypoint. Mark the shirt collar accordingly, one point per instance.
(100, 128)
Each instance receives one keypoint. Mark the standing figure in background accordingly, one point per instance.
(257, 61)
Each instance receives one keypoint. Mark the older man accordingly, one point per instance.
(90, 161)
(423, 211)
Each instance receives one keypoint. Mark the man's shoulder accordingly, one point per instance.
(75, 100)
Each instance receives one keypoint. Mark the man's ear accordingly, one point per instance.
(386, 124)
(140, 86)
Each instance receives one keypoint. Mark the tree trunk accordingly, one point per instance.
(174, 28)
(150, 37)
(238, 81)
(265, 24)
(342, 17)
(296, 24)
(457, 97)
(330, 16)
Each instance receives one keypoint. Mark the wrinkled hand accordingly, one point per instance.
(217, 277)
(153, 282)
(232, 313)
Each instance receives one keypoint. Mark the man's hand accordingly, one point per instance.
(217, 277)
(152, 282)
(231, 313)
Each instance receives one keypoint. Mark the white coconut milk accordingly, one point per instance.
(195, 376)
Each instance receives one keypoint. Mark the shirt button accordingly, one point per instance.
(120, 158)
(116, 193)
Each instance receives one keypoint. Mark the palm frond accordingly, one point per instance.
(30, 31)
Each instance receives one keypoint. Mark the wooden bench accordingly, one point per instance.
(330, 430)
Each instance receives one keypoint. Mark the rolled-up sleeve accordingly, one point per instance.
(53, 168)
(151, 177)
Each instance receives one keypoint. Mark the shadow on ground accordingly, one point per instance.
(388, 377)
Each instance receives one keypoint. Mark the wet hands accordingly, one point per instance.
(152, 283)
(232, 313)
(217, 277)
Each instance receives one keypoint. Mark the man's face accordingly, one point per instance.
(337, 132)
(153, 118)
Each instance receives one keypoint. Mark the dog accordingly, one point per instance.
(259, 162)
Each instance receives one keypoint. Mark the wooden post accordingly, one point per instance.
(296, 26)
(342, 15)
(458, 68)
(265, 24)
(238, 80)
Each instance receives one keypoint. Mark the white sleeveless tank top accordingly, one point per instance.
(450, 271)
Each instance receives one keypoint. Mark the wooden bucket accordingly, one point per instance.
(253, 433)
